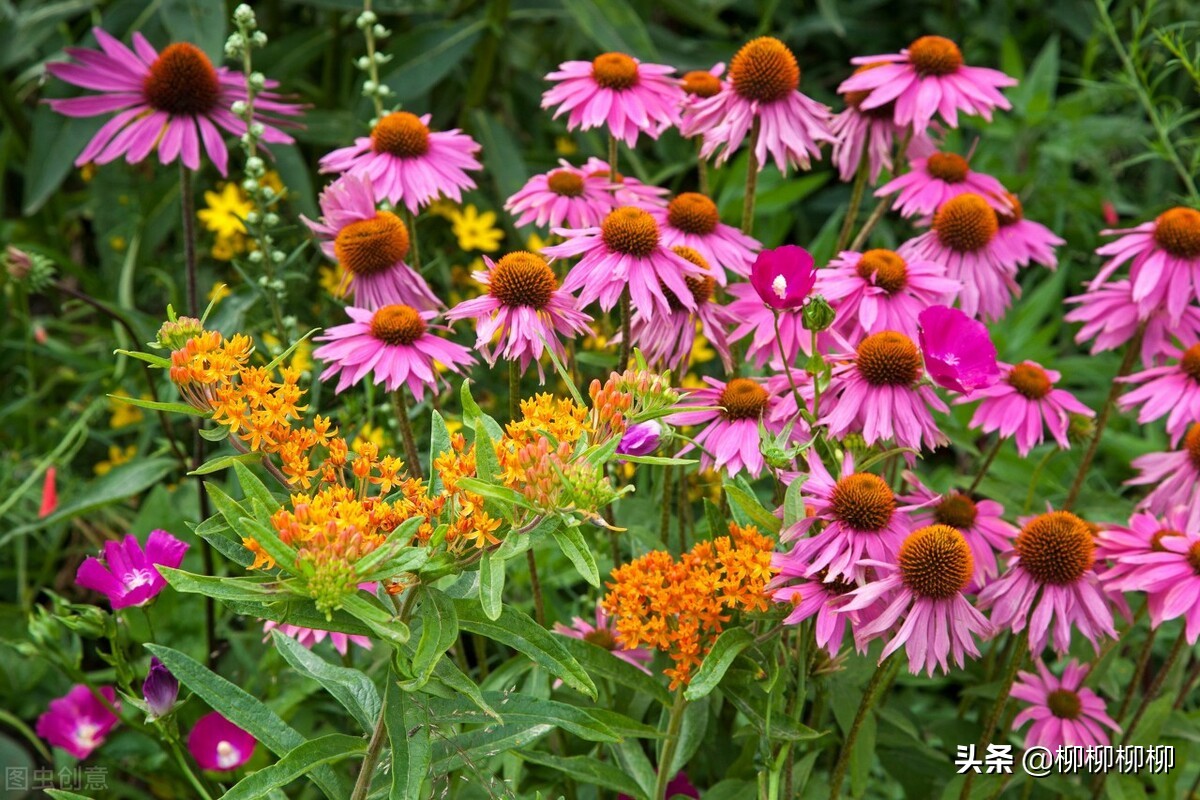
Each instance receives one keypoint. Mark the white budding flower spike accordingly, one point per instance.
(779, 286)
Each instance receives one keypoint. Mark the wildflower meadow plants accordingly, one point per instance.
(600, 398)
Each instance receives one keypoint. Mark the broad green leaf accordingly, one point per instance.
(224, 462)
(255, 490)
(570, 540)
(200, 22)
(657, 460)
(691, 734)
(718, 525)
(216, 532)
(604, 664)
(155, 361)
(487, 431)
(429, 53)
(588, 771)
(793, 502)
(752, 508)
(725, 649)
(383, 624)
(412, 751)
(350, 687)
(613, 25)
(439, 631)
(751, 702)
(502, 158)
(476, 746)
(45, 168)
(298, 761)
(155, 405)
(634, 763)
(286, 354)
(518, 708)
(284, 554)
(454, 679)
(302, 612)
(491, 584)
(250, 590)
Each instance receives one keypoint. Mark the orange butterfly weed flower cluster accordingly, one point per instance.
(469, 526)
(680, 607)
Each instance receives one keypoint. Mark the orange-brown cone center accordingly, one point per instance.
(699, 83)
(742, 398)
(370, 246)
(1178, 232)
(1056, 548)
(701, 288)
(887, 267)
(692, 212)
(956, 510)
(935, 55)
(522, 278)
(631, 231)
(1012, 217)
(614, 71)
(965, 223)
(888, 358)
(182, 81)
(764, 70)
(565, 183)
(863, 501)
(935, 562)
(1064, 704)
(401, 134)
(855, 99)
(948, 167)
(1030, 380)
(397, 325)
(1191, 443)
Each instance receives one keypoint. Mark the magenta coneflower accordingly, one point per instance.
(1051, 582)
(959, 354)
(626, 191)
(1175, 476)
(1172, 391)
(965, 240)
(1111, 317)
(1064, 713)
(626, 250)
(1031, 241)
(616, 92)
(393, 343)
(174, 102)
(877, 391)
(1164, 260)
(880, 290)
(604, 635)
(874, 131)
(934, 180)
(127, 574)
(564, 197)
(1169, 573)
(762, 89)
(925, 585)
(523, 312)
(78, 722)
(218, 744)
(691, 220)
(981, 522)
(1023, 404)
(1144, 534)
(926, 78)
(813, 596)
(407, 163)
(371, 245)
(757, 320)
(730, 439)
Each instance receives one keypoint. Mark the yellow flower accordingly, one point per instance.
(453, 425)
(446, 209)
(535, 243)
(333, 280)
(476, 231)
(691, 381)
(271, 181)
(371, 434)
(565, 146)
(226, 249)
(701, 350)
(87, 171)
(117, 243)
(595, 342)
(123, 414)
(218, 292)
(225, 211)
(116, 456)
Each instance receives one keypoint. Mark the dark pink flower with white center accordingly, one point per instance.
(1175, 476)
(408, 164)
(878, 391)
(1170, 576)
(784, 277)
(625, 251)
(959, 354)
(394, 344)
(1063, 712)
(1033, 242)
(1023, 404)
(627, 191)
(175, 102)
(566, 197)
(78, 722)
(871, 131)
(730, 440)
(934, 180)
(1163, 258)
(762, 88)
(126, 573)
(218, 744)
(1051, 583)
(1172, 391)
(618, 93)
(880, 290)
(371, 245)
(1111, 317)
(604, 635)
(814, 596)
(927, 78)
(691, 220)
(1115, 544)
(523, 313)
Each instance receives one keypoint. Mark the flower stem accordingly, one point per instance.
(816, 378)
(1020, 648)
(189, 239)
(626, 333)
(882, 206)
(870, 695)
(612, 158)
(1151, 695)
(787, 367)
(1138, 671)
(373, 65)
(751, 180)
(670, 744)
(410, 220)
(701, 167)
(514, 411)
(856, 197)
(987, 462)
(410, 443)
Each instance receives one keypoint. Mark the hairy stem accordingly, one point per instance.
(406, 431)
(1020, 648)
(870, 694)
(751, 180)
(670, 744)
(856, 198)
(987, 463)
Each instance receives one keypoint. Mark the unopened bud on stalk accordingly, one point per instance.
(817, 315)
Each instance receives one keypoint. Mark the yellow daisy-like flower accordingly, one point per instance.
(116, 456)
(701, 350)
(117, 243)
(446, 209)
(218, 292)
(453, 425)
(370, 434)
(87, 172)
(225, 211)
(333, 280)
(228, 249)
(272, 181)
(595, 342)
(535, 243)
(565, 146)
(690, 381)
(476, 231)
(122, 414)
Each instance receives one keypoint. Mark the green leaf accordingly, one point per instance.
(515, 708)
(430, 52)
(154, 361)
(588, 771)
(251, 590)
(284, 554)
(439, 442)
(793, 503)
(253, 489)
(302, 612)
(604, 664)
(381, 623)
(197, 21)
(350, 687)
(491, 584)
(412, 752)
(752, 508)
(279, 359)
(634, 763)
(439, 631)
(245, 711)
(300, 760)
(454, 679)
(225, 462)
(63, 794)
(45, 168)
(214, 531)
(570, 540)
(487, 431)
(155, 405)
(691, 734)
(474, 747)
(717, 524)
(657, 460)
(502, 159)
(725, 649)
(613, 25)
(521, 633)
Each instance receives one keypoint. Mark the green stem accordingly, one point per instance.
(665, 527)
(801, 409)
(186, 768)
(1020, 650)
(514, 391)
(816, 379)
(626, 332)
(414, 249)
(751, 180)
(406, 431)
(372, 68)
(1138, 671)
(1151, 695)
(539, 605)
(856, 197)
(869, 696)
(987, 462)
(670, 745)
(701, 167)
(189, 239)
(882, 206)
(612, 158)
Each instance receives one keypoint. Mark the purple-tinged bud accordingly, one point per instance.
(160, 689)
(640, 439)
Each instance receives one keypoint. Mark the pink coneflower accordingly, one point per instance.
(604, 635)
(1111, 317)
(174, 102)
(627, 191)
(925, 585)
(1144, 534)
(926, 78)
(407, 163)
(1031, 241)
(218, 744)
(730, 438)
(758, 319)
(980, 522)
(309, 637)
(1175, 476)
(959, 354)
(762, 89)
(616, 92)
(934, 180)
(127, 574)
(371, 245)
(1051, 582)
(700, 84)
(78, 722)
(691, 220)
(1064, 713)
(965, 240)
(874, 131)
(880, 291)
(626, 250)
(812, 596)
(395, 344)
(1172, 391)
(523, 312)
(862, 520)
(1023, 404)
(1169, 573)
(1164, 260)
(877, 391)
(564, 197)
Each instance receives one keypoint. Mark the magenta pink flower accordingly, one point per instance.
(959, 354)
(1031, 241)
(758, 322)
(874, 131)
(730, 440)
(1168, 573)
(691, 220)
(965, 240)
(371, 245)
(407, 163)
(393, 343)
(813, 596)
(1172, 391)
(627, 191)
(617, 92)
(1175, 476)
(1143, 535)
(784, 277)
(878, 391)
(78, 722)
(1051, 583)
(762, 88)
(1064, 713)
(626, 250)
(604, 635)
(127, 574)
(934, 180)
(980, 522)
(523, 312)
(926, 78)
(173, 102)
(880, 291)
(1023, 404)
(218, 744)
(640, 439)
(565, 197)
(1163, 258)
(309, 637)
(1110, 316)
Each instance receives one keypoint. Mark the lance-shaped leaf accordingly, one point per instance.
(725, 649)
(587, 770)
(412, 750)
(350, 687)
(439, 630)
(298, 761)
